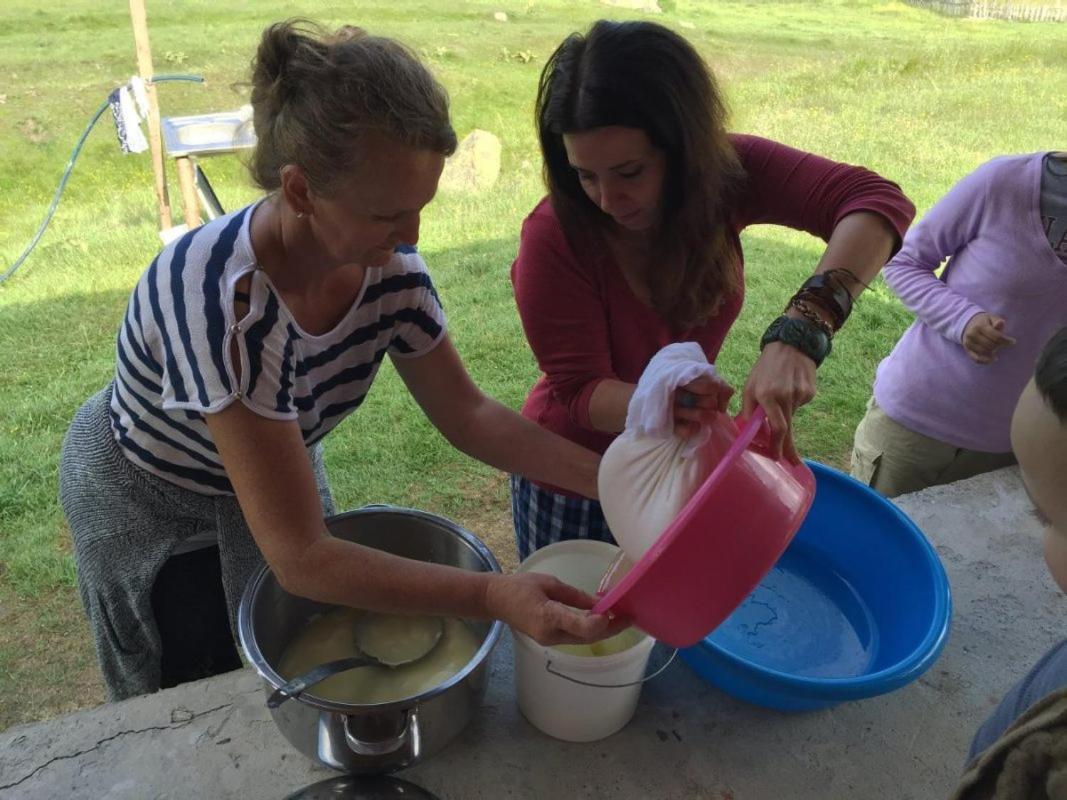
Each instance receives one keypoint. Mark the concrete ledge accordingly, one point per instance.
(215, 738)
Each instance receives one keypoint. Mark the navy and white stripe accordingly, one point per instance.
(174, 353)
(542, 517)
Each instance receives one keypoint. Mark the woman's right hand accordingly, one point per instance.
(548, 610)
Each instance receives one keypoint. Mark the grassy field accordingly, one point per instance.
(921, 98)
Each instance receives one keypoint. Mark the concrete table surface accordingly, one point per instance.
(215, 738)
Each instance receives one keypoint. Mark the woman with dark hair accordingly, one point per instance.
(637, 246)
(248, 340)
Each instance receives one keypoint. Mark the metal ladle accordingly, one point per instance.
(374, 654)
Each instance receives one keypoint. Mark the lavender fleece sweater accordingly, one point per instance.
(1001, 262)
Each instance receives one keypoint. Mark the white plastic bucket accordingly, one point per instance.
(562, 708)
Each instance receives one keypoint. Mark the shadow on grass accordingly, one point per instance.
(63, 351)
(47, 663)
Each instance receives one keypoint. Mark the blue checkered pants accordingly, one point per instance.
(542, 517)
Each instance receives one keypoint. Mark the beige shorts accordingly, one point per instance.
(894, 460)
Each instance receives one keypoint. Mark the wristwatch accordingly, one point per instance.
(805, 336)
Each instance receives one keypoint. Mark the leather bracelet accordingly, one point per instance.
(829, 289)
(809, 339)
(836, 298)
(823, 300)
(826, 290)
(843, 273)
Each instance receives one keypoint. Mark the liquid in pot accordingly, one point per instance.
(332, 636)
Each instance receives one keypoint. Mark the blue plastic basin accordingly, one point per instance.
(857, 606)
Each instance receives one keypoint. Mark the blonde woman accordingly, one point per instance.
(247, 341)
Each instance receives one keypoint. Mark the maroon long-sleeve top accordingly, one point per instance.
(584, 323)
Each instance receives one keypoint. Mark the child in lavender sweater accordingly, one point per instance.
(943, 399)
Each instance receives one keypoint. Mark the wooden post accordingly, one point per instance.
(187, 185)
(155, 143)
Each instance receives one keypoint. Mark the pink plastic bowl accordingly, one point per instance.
(721, 544)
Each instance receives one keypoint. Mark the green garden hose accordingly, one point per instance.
(70, 167)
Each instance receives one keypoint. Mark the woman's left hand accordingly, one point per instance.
(782, 380)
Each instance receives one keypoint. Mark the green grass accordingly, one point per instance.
(921, 98)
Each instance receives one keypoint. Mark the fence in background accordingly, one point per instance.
(990, 9)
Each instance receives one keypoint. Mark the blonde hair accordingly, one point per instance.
(317, 95)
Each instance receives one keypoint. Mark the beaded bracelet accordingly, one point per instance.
(811, 315)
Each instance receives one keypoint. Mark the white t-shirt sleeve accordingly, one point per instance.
(418, 317)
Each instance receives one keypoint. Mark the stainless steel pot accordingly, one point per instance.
(386, 736)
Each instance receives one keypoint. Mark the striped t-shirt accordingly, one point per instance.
(174, 359)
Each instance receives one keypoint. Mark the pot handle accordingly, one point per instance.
(408, 736)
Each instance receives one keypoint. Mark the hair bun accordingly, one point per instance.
(346, 33)
(315, 93)
(277, 49)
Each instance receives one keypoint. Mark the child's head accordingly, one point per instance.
(1039, 439)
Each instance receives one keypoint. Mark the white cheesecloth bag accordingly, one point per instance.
(649, 473)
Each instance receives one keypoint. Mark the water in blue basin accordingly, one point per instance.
(804, 619)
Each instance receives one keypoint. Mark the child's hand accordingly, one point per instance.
(548, 610)
(984, 336)
(698, 402)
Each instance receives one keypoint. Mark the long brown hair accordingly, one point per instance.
(316, 95)
(643, 75)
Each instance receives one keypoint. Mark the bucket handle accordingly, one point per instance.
(548, 668)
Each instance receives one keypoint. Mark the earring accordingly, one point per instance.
(300, 215)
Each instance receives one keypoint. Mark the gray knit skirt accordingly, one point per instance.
(125, 523)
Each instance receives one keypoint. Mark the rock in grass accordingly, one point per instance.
(652, 6)
(475, 165)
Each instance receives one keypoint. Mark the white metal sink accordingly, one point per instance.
(205, 134)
